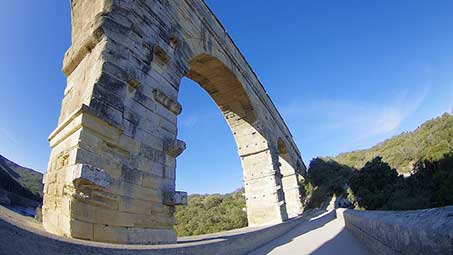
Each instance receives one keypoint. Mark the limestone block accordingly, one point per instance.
(175, 148)
(110, 91)
(81, 230)
(106, 112)
(105, 233)
(157, 221)
(129, 144)
(151, 167)
(167, 184)
(151, 236)
(144, 100)
(167, 102)
(92, 175)
(153, 154)
(149, 140)
(121, 188)
(114, 218)
(161, 54)
(151, 181)
(83, 211)
(109, 133)
(163, 112)
(170, 172)
(136, 206)
(131, 175)
(175, 198)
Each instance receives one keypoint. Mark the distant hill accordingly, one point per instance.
(20, 180)
(431, 141)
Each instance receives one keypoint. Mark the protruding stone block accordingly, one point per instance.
(167, 102)
(92, 175)
(175, 198)
(176, 148)
(161, 54)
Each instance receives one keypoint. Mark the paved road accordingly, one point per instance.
(323, 234)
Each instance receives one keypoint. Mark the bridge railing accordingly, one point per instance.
(427, 231)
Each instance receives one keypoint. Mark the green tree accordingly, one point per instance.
(211, 213)
(374, 184)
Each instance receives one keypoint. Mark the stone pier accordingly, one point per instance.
(111, 173)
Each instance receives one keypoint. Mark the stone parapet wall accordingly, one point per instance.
(22, 236)
(408, 232)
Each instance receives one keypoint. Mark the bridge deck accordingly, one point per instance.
(314, 233)
(323, 234)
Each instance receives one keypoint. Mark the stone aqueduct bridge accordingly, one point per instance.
(111, 174)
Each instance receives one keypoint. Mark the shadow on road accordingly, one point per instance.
(341, 244)
(303, 228)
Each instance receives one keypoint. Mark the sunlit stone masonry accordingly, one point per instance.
(111, 174)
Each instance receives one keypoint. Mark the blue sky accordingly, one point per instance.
(344, 74)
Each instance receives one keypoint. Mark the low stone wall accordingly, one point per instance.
(22, 236)
(409, 232)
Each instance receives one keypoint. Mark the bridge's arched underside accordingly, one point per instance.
(111, 174)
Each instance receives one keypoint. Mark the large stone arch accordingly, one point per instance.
(260, 181)
(111, 174)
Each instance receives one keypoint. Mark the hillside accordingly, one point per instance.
(20, 180)
(430, 141)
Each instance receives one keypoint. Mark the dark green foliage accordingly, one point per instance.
(377, 186)
(19, 180)
(374, 184)
(430, 141)
(326, 178)
(211, 213)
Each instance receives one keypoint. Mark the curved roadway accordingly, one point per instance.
(323, 234)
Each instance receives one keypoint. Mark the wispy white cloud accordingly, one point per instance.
(5, 135)
(189, 121)
(359, 119)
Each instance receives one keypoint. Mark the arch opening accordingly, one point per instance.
(210, 164)
(209, 170)
(232, 100)
(263, 200)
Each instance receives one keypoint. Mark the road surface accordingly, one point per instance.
(323, 234)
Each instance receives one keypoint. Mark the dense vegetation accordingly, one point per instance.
(326, 178)
(378, 187)
(20, 180)
(431, 141)
(369, 178)
(211, 213)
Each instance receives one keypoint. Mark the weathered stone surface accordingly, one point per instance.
(22, 237)
(166, 101)
(405, 232)
(119, 114)
(175, 198)
(92, 175)
(176, 148)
